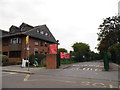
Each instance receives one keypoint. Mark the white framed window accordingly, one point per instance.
(15, 41)
(41, 32)
(38, 31)
(36, 43)
(46, 34)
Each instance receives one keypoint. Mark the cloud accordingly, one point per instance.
(70, 21)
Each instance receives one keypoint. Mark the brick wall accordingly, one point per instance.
(51, 61)
(24, 53)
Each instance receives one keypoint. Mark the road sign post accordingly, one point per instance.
(27, 48)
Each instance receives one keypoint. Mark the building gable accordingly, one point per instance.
(14, 29)
(24, 27)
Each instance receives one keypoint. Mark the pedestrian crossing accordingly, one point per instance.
(88, 65)
(85, 67)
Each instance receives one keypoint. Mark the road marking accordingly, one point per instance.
(99, 84)
(13, 73)
(97, 65)
(116, 65)
(111, 86)
(85, 83)
(66, 81)
(26, 78)
(99, 70)
(96, 69)
(88, 68)
(101, 66)
(91, 69)
(84, 68)
(77, 68)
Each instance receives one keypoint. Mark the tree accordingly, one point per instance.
(62, 50)
(81, 51)
(114, 51)
(109, 32)
(109, 37)
(94, 56)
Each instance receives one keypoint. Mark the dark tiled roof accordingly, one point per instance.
(2, 32)
(39, 32)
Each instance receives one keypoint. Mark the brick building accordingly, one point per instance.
(14, 41)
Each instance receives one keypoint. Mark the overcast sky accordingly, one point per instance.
(70, 21)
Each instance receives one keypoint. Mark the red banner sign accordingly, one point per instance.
(67, 56)
(64, 55)
(53, 49)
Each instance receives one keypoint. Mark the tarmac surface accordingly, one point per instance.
(78, 75)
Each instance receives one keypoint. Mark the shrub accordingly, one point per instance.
(40, 58)
(31, 59)
(18, 63)
(5, 59)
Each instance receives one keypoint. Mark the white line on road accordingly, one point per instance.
(84, 68)
(96, 69)
(88, 68)
(91, 69)
(77, 68)
(13, 73)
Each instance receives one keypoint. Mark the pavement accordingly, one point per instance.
(19, 69)
(26, 70)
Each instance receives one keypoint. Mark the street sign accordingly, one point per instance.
(64, 55)
(53, 49)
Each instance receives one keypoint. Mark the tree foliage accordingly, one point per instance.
(109, 32)
(81, 50)
(114, 51)
(109, 37)
(4, 59)
(62, 50)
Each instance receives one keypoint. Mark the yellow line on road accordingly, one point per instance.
(111, 86)
(26, 77)
(65, 81)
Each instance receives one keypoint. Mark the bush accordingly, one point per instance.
(40, 58)
(5, 59)
(18, 63)
(31, 59)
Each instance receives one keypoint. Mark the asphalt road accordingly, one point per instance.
(80, 75)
